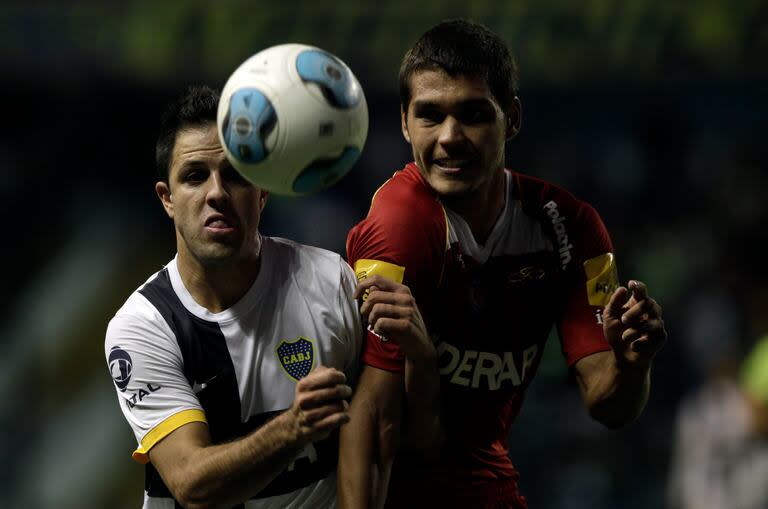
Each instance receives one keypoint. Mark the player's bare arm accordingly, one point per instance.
(369, 442)
(200, 474)
(615, 384)
(392, 312)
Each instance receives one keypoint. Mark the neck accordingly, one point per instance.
(481, 208)
(218, 287)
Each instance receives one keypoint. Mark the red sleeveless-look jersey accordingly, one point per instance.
(489, 308)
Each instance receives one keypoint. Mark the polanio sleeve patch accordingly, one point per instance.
(365, 268)
(602, 279)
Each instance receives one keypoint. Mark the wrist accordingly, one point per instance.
(425, 361)
(632, 368)
(289, 423)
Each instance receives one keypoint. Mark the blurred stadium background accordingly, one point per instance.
(653, 111)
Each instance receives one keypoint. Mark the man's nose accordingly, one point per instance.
(451, 132)
(217, 188)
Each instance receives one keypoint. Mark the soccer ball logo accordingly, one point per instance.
(293, 119)
(248, 121)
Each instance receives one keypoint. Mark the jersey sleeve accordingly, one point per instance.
(403, 238)
(146, 366)
(590, 281)
(351, 320)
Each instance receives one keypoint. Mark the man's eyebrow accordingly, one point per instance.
(193, 164)
(427, 104)
(190, 165)
(424, 104)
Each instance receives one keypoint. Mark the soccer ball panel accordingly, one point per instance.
(247, 124)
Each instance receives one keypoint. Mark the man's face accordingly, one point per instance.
(457, 131)
(215, 210)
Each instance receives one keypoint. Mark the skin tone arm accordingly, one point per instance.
(202, 475)
(615, 384)
(370, 441)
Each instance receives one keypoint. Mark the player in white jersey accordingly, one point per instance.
(231, 364)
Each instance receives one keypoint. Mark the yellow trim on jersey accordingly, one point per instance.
(365, 268)
(602, 279)
(379, 189)
(164, 429)
(447, 242)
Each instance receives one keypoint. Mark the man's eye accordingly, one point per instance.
(475, 116)
(234, 176)
(430, 116)
(194, 176)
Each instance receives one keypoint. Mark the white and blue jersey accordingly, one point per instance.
(174, 362)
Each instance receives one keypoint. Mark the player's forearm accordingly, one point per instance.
(228, 474)
(620, 393)
(369, 442)
(355, 472)
(423, 425)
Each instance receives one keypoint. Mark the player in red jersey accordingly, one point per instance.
(494, 259)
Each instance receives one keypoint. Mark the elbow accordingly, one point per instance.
(192, 494)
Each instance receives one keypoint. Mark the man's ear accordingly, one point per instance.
(404, 124)
(163, 191)
(263, 195)
(514, 118)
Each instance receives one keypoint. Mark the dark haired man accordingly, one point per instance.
(231, 363)
(494, 259)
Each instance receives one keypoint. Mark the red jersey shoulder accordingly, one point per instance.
(406, 221)
(576, 226)
(405, 199)
(535, 193)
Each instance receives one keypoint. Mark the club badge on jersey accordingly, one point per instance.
(297, 356)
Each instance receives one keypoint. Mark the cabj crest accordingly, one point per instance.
(297, 356)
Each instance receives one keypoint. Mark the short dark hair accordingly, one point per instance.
(462, 48)
(196, 107)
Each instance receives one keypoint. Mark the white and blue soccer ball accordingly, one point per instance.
(293, 119)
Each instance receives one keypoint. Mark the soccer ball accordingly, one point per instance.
(292, 119)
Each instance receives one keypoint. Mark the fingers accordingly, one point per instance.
(391, 327)
(320, 403)
(380, 310)
(377, 281)
(316, 415)
(633, 323)
(642, 309)
(318, 397)
(643, 343)
(641, 312)
(639, 290)
(616, 304)
(321, 376)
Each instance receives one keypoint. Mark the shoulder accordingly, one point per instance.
(537, 194)
(574, 225)
(406, 222)
(138, 321)
(306, 262)
(405, 198)
(558, 209)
